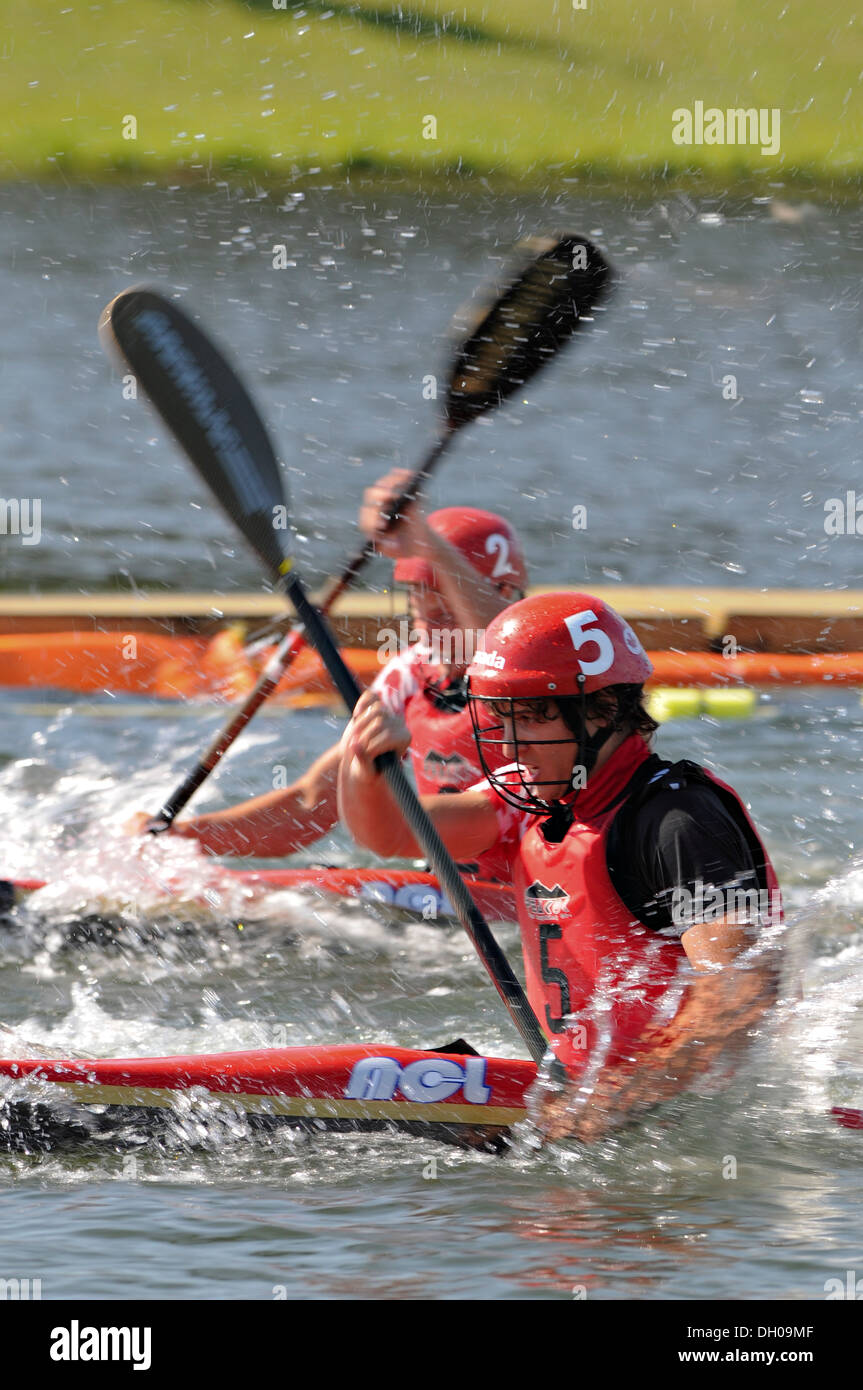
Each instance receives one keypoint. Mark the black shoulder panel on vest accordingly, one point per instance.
(677, 776)
(449, 697)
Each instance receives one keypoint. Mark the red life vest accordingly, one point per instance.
(585, 956)
(443, 749)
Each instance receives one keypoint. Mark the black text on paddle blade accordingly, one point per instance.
(209, 411)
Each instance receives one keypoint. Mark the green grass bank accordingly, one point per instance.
(522, 93)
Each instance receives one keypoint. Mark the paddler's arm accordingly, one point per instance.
(272, 825)
(721, 1009)
(471, 598)
(465, 821)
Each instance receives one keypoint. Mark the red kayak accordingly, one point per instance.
(453, 1095)
(408, 890)
(847, 1117)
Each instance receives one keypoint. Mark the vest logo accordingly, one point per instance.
(543, 903)
(484, 658)
(448, 767)
(427, 1080)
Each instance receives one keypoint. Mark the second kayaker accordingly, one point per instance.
(461, 566)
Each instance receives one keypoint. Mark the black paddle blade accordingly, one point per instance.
(209, 411)
(546, 301)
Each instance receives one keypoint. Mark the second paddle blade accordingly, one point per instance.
(209, 411)
(547, 299)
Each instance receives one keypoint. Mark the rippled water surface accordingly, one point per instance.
(681, 484)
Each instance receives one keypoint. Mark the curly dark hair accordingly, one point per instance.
(622, 704)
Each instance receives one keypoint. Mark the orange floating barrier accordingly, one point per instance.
(120, 662)
(198, 667)
(756, 668)
(169, 668)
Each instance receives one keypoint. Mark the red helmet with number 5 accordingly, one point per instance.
(556, 645)
(486, 541)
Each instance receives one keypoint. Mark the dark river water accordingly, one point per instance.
(682, 485)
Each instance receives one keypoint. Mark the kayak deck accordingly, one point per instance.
(411, 891)
(452, 1095)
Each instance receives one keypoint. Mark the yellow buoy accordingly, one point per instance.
(674, 702)
(737, 702)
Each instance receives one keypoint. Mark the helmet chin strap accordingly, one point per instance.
(561, 812)
(589, 745)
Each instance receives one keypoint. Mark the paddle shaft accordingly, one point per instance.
(337, 586)
(448, 876)
(288, 649)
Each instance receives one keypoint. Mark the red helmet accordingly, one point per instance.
(540, 646)
(486, 541)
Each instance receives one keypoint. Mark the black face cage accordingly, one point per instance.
(573, 711)
(491, 736)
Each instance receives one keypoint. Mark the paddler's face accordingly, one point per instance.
(428, 610)
(535, 734)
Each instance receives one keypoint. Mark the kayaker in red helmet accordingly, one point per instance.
(462, 566)
(643, 889)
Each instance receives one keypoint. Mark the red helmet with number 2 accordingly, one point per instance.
(541, 646)
(486, 541)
